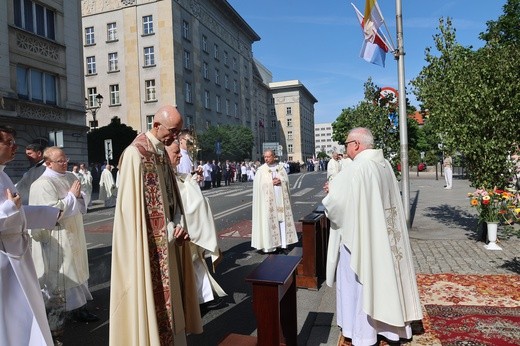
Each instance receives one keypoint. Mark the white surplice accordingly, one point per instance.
(107, 188)
(203, 234)
(60, 253)
(23, 320)
(367, 216)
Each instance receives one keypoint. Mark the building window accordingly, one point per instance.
(234, 64)
(273, 136)
(218, 103)
(289, 148)
(111, 32)
(91, 65)
(204, 44)
(273, 124)
(34, 17)
(90, 39)
(187, 93)
(36, 85)
(205, 71)
(91, 97)
(217, 76)
(289, 135)
(149, 122)
(187, 60)
(114, 95)
(189, 121)
(149, 56)
(226, 81)
(227, 107)
(206, 99)
(185, 30)
(236, 110)
(289, 122)
(150, 89)
(235, 86)
(112, 62)
(289, 110)
(148, 25)
(226, 58)
(215, 51)
(273, 112)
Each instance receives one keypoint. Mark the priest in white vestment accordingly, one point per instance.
(334, 166)
(87, 187)
(185, 165)
(273, 222)
(60, 252)
(153, 297)
(201, 227)
(375, 278)
(107, 187)
(23, 320)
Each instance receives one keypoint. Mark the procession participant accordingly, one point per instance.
(23, 320)
(273, 223)
(201, 227)
(34, 153)
(107, 187)
(60, 253)
(376, 288)
(152, 294)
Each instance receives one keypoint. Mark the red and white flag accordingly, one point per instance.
(375, 45)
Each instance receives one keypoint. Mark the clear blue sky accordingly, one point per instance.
(318, 42)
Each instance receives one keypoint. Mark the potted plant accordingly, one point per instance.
(493, 206)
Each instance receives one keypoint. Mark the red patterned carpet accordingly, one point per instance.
(469, 309)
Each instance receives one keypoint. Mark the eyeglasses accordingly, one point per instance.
(9, 143)
(347, 143)
(173, 131)
(62, 162)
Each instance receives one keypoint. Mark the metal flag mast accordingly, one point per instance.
(403, 127)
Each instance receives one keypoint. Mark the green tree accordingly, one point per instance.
(473, 105)
(121, 135)
(322, 155)
(236, 143)
(372, 113)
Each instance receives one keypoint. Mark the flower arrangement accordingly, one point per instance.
(496, 205)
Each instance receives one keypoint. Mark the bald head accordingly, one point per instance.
(167, 122)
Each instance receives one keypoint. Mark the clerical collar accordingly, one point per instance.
(158, 145)
(52, 173)
(2, 168)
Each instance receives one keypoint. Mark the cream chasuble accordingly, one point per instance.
(366, 214)
(152, 280)
(271, 206)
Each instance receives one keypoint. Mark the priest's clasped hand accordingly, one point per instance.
(177, 233)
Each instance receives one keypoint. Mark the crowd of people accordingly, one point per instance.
(164, 230)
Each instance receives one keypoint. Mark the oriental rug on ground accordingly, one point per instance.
(469, 309)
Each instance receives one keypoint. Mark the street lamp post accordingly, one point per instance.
(93, 109)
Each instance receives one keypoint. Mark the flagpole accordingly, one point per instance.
(403, 127)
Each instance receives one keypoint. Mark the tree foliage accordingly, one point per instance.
(236, 143)
(473, 99)
(372, 113)
(121, 135)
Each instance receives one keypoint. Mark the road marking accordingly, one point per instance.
(233, 210)
(301, 192)
(98, 221)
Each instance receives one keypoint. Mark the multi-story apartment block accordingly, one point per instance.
(323, 140)
(41, 79)
(142, 54)
(292, 119)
